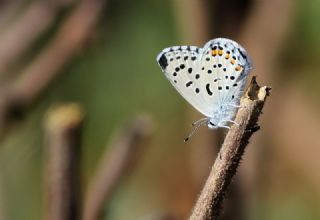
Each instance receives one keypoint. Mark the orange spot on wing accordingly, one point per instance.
(220, 52)
(238, 68)
(227, 56)
(232, 61)
(214, 52)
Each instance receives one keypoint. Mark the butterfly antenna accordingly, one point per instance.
(202, 120)
(196, 125)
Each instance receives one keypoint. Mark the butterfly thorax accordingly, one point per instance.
(222, 115)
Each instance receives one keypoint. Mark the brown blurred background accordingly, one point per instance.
(101, 55)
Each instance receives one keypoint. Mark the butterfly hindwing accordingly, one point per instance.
(228, 65)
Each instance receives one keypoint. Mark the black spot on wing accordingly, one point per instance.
(188, 83)
(208, 89)
(163, 62)
(242, 54)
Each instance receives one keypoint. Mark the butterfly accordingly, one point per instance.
(211, 79)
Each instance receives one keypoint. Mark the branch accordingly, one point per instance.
(63, 134)
(257, 30)
(37, 18)
(8, 12)
(124, 152)
(71, 37)
(210, 201)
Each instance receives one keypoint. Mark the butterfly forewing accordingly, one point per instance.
(180, 65)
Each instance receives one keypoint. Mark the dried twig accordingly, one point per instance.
(269, 21)
(38, 17)
(71, 37)
(209, 203)
(63, 134)
(8, 11)
(124, 152)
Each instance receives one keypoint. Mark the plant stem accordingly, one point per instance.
(210, 201)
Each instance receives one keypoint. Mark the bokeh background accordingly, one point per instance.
(101, 55)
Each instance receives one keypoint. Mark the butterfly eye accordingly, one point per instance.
(212, 124)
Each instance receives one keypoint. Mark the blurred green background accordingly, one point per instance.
(114, 76)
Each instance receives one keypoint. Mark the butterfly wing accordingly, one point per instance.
(207, 77)
(180, 65)
(225, 66)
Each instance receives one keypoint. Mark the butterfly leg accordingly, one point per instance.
(224, 126)
(235, 106)
(231, 121)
